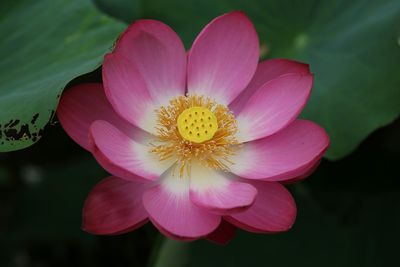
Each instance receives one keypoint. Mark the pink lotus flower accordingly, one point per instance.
(199, 142)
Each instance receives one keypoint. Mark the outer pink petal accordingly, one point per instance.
(266, 71)
(273, 211)
(218, 194)
(123, 152)
(223, 234)
(114, 169)
(83, 104)
(275, 105)
(114, 206)
(172, 212)
(159, 56)
(223, 58)
(307, 171)
(127, 92)
(284, 155)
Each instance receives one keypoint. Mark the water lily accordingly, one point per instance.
(199, 143)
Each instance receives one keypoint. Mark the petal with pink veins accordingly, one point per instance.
(159, 55)
(127, 92)
(122, 151)
(83, 104)
(114, 206)
(219, 193)
(223, 58)
(273, 106)
(266, 71)
(273, 211)
(172, 212)
(282, 156)
(113, 168)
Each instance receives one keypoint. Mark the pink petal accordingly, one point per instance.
(124, 152)
(159, 55)
(127, 92)
(223, 58)
(218, 194)
(172, 212)
(114, 206)
(303, 173)
(223, 234)
(266, 71)
(275, 105)
(112, 168)
(83, 104)
(284, 155)
(273, 211)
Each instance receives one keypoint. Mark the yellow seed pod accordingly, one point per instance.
(197, 124)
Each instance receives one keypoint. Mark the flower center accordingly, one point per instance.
(196, 129)
(197, 124)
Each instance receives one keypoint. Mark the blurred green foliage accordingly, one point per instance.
(348, 211)
(44, 44)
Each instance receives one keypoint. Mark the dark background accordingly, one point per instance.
(348, 210)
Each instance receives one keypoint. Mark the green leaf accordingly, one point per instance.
(351, 46)
(125, 10)
(44, 44)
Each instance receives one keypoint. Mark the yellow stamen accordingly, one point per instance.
(207, 137)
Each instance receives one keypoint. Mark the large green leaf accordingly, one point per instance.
(352, 47)
(44, 44)
(125, 10)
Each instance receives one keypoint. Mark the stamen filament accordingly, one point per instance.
(212, 153)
